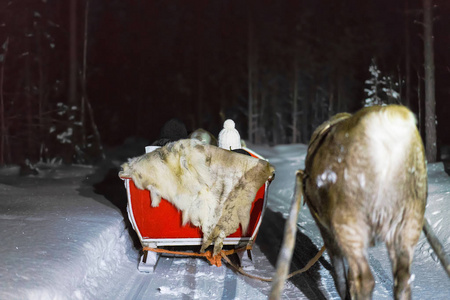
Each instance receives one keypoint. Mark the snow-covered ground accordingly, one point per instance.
(64, 236)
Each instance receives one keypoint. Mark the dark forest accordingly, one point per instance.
(78, 77)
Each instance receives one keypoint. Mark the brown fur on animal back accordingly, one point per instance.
(352, 158)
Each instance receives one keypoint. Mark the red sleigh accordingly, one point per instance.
(162, 226)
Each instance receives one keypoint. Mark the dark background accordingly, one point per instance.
(150, 61)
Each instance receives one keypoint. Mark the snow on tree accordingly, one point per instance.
(381, 90)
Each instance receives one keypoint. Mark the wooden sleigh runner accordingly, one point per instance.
(159, 228)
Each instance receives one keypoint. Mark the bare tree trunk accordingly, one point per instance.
(330, 97)
(407, 57)
(2, 105)
(340, 89)
(306, 116)
(260, 101)
(430, 102)
(29, 109)
(199, 106)
(83, 79)
(419, 101)
(73, 53)
(295, 102)
(42, 93)
(95, 129)
(398, 100)
(69, 151)
(200, 65)
(85, 104)
(250, 77)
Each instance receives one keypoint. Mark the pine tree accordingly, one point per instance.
(373, 92)
(381, 90)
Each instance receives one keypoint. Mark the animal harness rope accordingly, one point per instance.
(216, 260)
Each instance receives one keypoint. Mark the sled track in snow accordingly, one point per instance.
(194, 278)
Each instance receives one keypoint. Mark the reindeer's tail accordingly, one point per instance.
(437, 246)
(390, 131)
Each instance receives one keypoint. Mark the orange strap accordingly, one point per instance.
(217, 259)
(213, 259)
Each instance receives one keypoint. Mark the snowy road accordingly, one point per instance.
(63, 237)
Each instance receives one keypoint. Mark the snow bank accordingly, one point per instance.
(56, 244)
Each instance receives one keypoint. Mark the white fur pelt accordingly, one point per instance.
(212, 187)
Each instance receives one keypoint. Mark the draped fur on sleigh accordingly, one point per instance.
(212, 187)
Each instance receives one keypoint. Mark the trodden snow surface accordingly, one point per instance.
(65, 235)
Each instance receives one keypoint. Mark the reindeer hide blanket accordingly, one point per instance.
(212, 187)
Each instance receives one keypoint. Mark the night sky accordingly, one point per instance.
(150, 61)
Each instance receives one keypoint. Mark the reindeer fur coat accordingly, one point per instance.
(212, 187)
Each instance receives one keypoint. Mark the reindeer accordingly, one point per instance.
(365, 180)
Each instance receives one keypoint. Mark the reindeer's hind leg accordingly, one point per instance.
(400, 260)
(352, 239)
(360, 277)
(401, 252)
(340, 276)
(338, 262)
